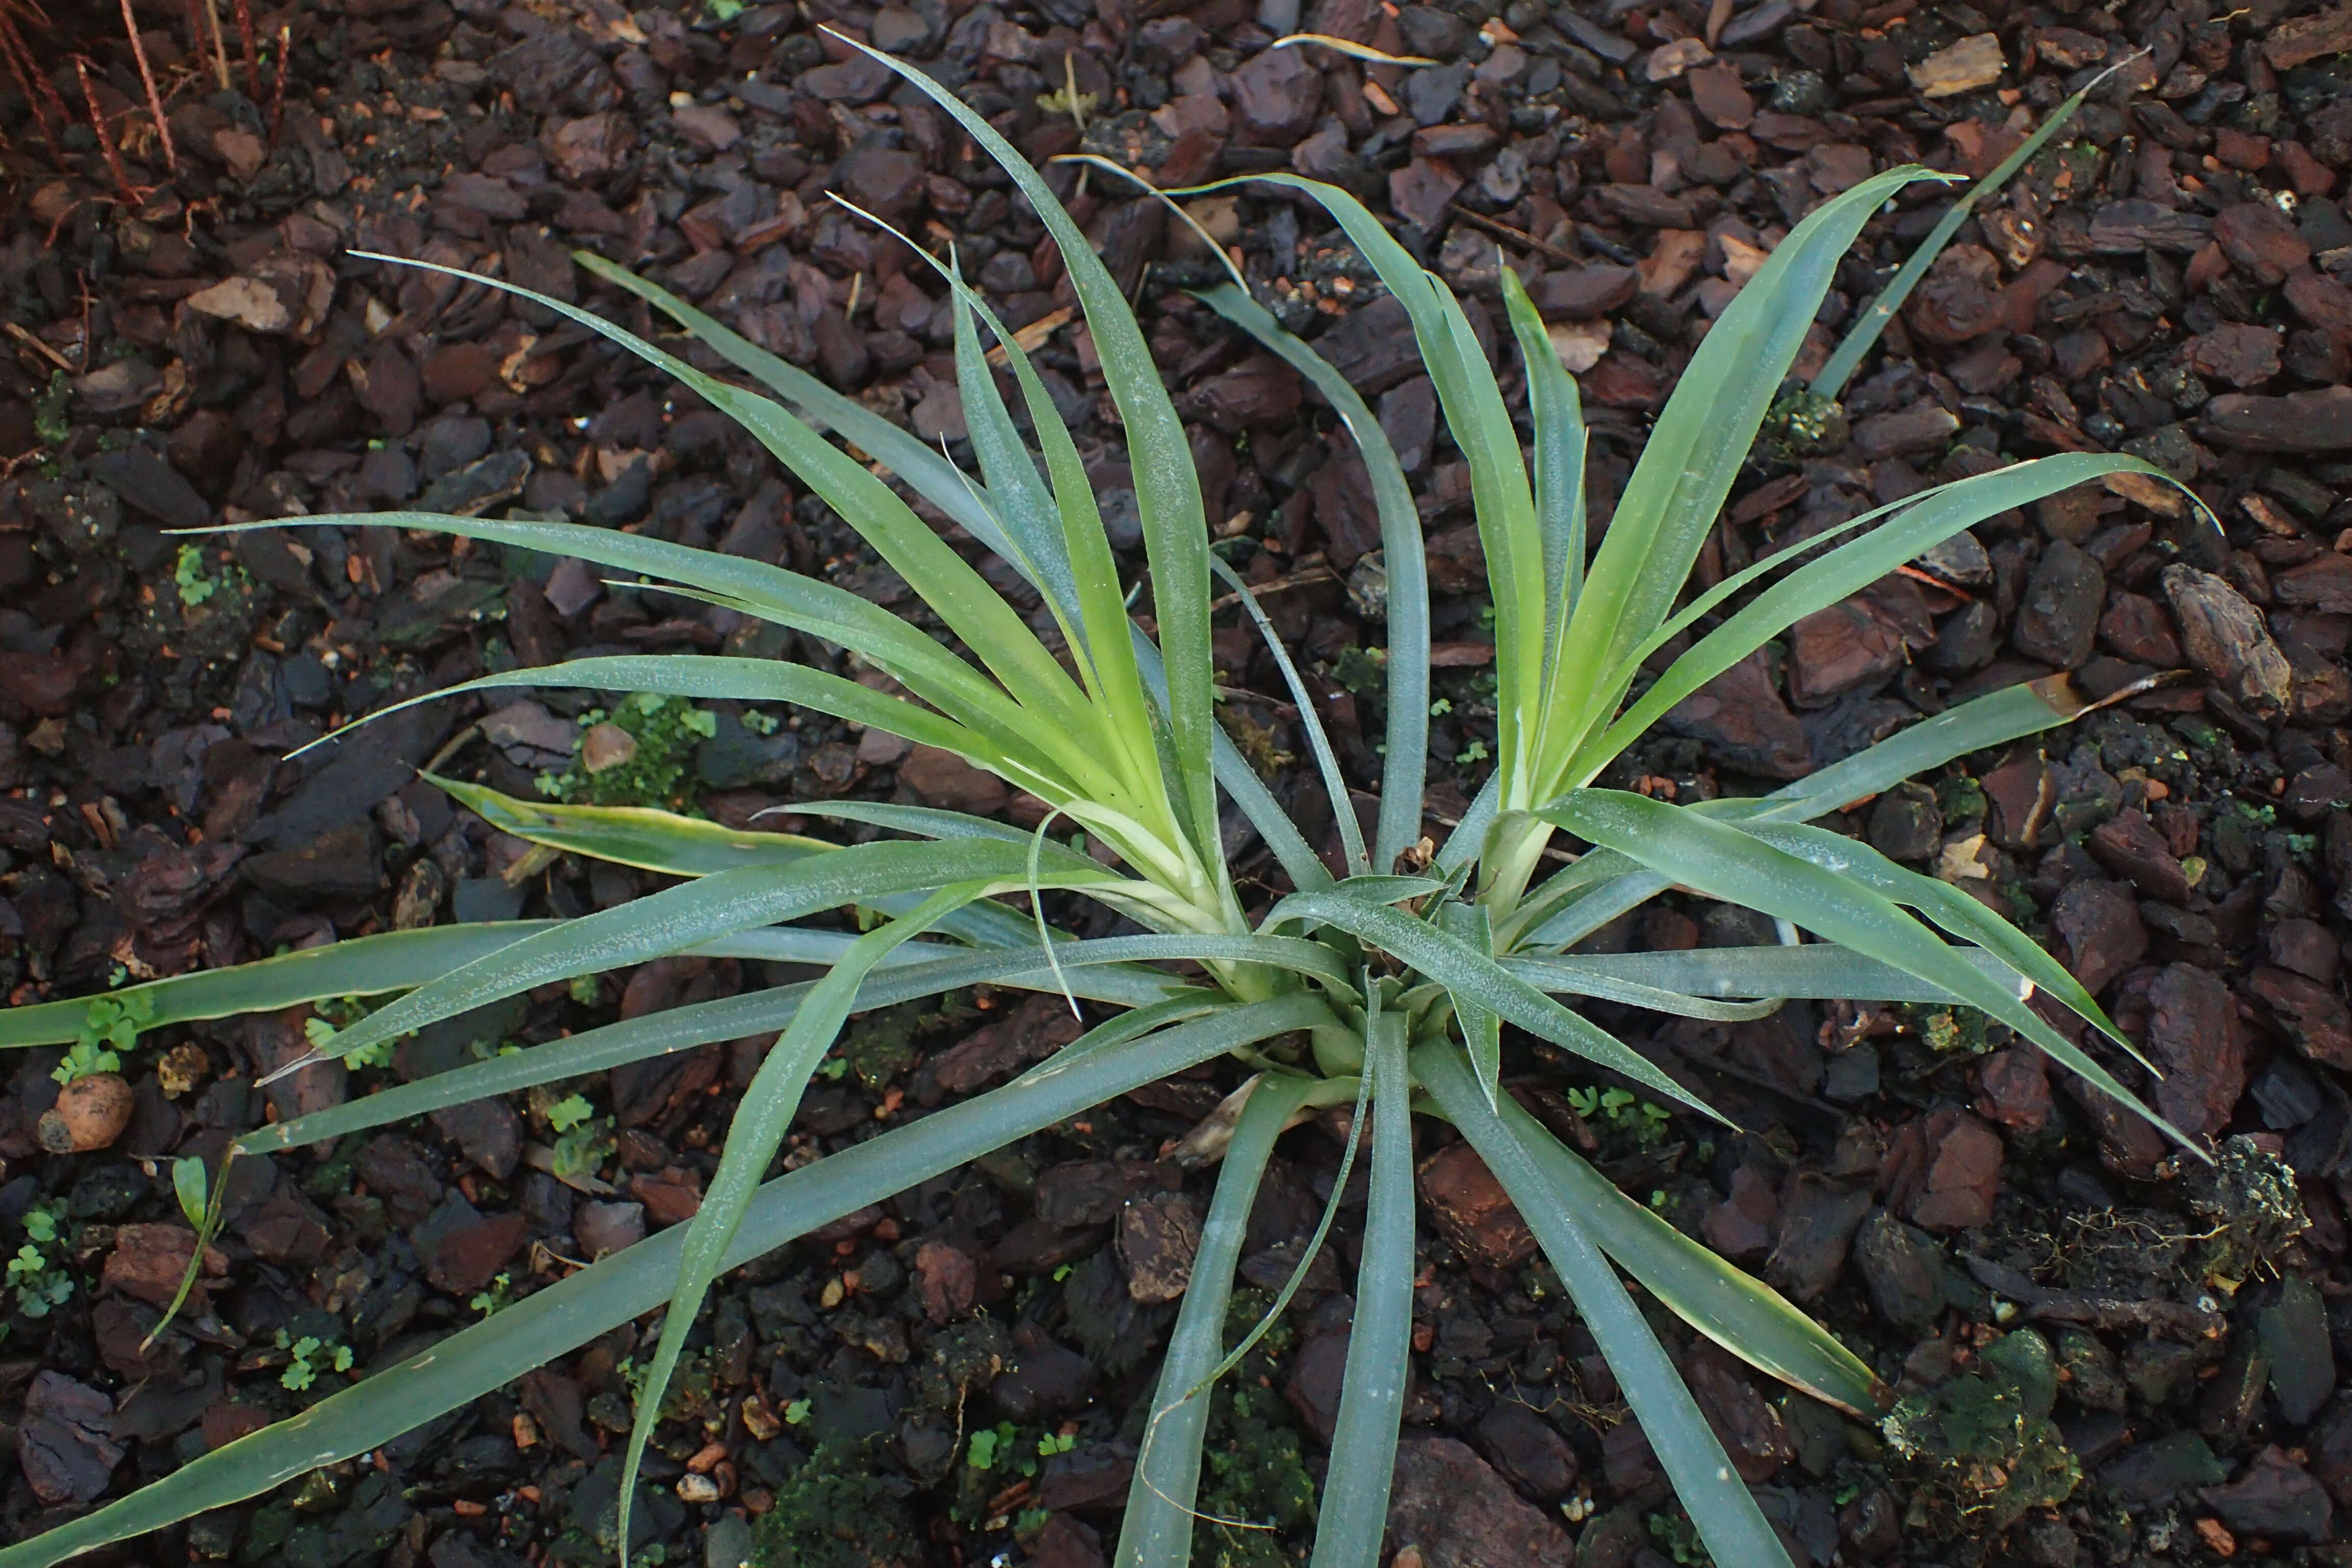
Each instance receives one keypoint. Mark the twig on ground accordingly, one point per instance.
(1516, 237)
(220, 45)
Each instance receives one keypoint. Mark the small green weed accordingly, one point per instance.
(52, 415)
(336, 1013)
(40, 1282)
(110, 1027)
(497, 1298)
(195, 584)
(311, 1356)
(666, 729)
(1641, 1121)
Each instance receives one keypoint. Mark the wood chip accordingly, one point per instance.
(2307, 39)
(1974, 62)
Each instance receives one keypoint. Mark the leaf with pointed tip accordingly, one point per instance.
(1408, 574)
(357, 967)
(761, 1120)
(1721, 861)
(1156, 1531)
(1482, 1029)
(1846, 570)
(1695, 451)
(1729, 1521)
(548, 1322)
(1725, 1303)
(1948, 907)
(1166, 489)
(678, 917)
(1818, 969)
(1557, 414)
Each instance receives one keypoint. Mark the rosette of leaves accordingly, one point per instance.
(1383, 980)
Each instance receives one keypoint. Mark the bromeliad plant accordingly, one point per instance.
(1385, 985)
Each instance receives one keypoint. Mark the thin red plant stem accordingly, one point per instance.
(154, 99)
(252, 58)
(48, 109)
(278, 88)
(98, 124)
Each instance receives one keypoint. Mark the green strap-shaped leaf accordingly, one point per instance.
(1156, 1531)
(939, 482)
(676, 846)
(1167, 490)
(1557, 414)
(649, 840)
(675, 919)
(943, 579)
(1017, 496)
(1107, 969)
(360, 966)
(1818, 969)
(1848, 569)
(1728, 1305)
(1993, 720)
(1830, 379)
(714, 676)
(1696, 451)
(549, 1323)
(1403, 773)
(1319, 742)
(753, 1136)
(1482, 1028)
(929, 473)
(768, 593)
(1355, 1504)
(1474, 975)
(1481, 426)
(1729, 1521)
(948, 583)
(1720, 861)
(1949, 907)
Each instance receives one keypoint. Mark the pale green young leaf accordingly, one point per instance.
(1557, 413)
(1167, 490)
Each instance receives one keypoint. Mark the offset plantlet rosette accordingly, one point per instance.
(1370, 987)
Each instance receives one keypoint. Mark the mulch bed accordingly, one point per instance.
(193, 345)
